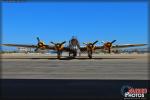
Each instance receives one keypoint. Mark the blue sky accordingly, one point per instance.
(53, 21)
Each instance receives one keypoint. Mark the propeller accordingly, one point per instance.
(95, 42)
(113, 41)
(90, 45)
(108, 45)
(63, 42)
(90, 48)
(52, 43)
(58, 45)
(38, 39)
(40, 44)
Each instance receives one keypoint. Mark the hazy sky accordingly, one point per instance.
(52, 21)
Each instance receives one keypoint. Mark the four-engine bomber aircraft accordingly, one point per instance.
(74, 47)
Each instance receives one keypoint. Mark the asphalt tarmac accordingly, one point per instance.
(44, 66)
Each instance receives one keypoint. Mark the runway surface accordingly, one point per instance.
(125, 66)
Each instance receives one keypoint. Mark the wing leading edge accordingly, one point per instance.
(81, 48)
(27, 46)
(127, 45)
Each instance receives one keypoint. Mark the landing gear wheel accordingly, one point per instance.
(109, 51)
(74, 54)
(90, 54)
(58, 55)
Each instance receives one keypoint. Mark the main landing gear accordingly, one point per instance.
(90, 54)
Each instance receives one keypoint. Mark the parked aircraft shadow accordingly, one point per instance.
(100, 58)
(78, 58)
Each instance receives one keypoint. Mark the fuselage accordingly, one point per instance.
(74, 47)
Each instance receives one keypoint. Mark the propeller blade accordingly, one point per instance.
(63, 42)
(36, 50)
(113, 41)
(38, 39)
(52, 43)
(95, 42)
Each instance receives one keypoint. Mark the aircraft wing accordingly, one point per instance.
(114, 46)
(127, 45)
(84, 49)
(121, 46)
(27, 46)
(35, 46)
(20, 45)
(66, 49)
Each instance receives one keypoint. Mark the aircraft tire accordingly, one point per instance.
(74, 54)
(58, 55)
(90, 54)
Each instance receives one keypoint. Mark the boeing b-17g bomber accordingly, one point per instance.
(74, 47)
